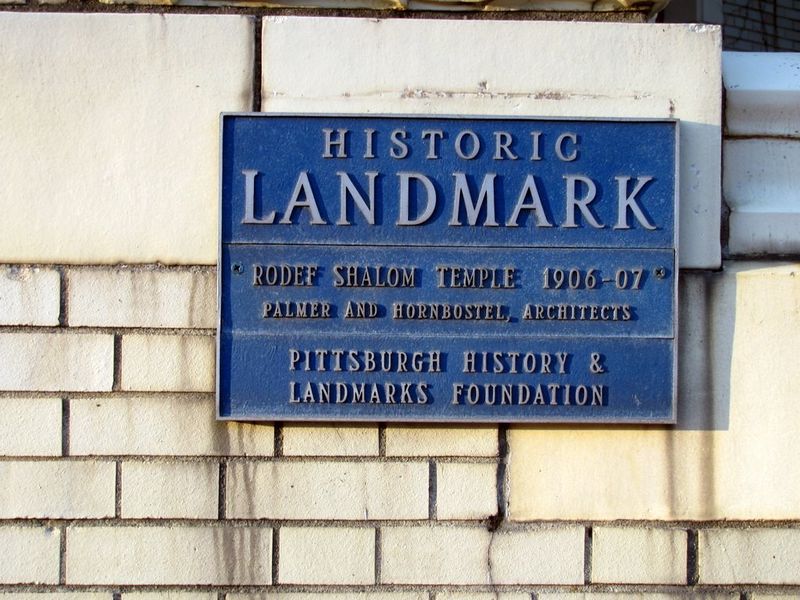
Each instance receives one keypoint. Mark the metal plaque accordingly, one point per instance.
(447, 269)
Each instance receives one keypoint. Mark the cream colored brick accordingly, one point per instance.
(29, 296)
(30, 427)
(638, 555)
(466, 491)
(737, 420)
(327, 490)
(448, 555)
(30, 554)
(142, 297)
(162, 425)
(168, 363)
(327, 555)
(662, 71)
(187, 490)
(169, 555)
(69, 362)
(439, 555)
(330, 440)
(110, 150)
(768, 556)
(566, 543)
(57, 489)
(425, 440)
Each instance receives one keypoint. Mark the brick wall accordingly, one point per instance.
(764, 25)
(118, 482)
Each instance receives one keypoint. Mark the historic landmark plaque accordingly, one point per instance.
(447, 269)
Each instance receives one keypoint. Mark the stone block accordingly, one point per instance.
(128, 133)
(56, 362)
(29, 295)
(427, 440)
(466, 491)
(161, 425)
(327, 555)
(174, 490)
(737, 420)
(57, 489)
(327, 490)
(179, 555)
(142, 297)
(759, 556)
(168, 363)
(636, 70)
(30, 427)
(330, 440)
(31, 554)
(639, 555)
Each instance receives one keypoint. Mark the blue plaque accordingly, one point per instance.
(447, 269)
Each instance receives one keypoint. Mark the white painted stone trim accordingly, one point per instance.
(556, 69)
(762, 93)
(761, 178)
(761, 182)
(110, 128)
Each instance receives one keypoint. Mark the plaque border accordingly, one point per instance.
(670, 420)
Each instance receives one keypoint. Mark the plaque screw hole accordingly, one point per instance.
(660, 272)
(237, 268)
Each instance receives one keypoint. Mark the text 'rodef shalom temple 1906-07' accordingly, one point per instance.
(384, 322)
